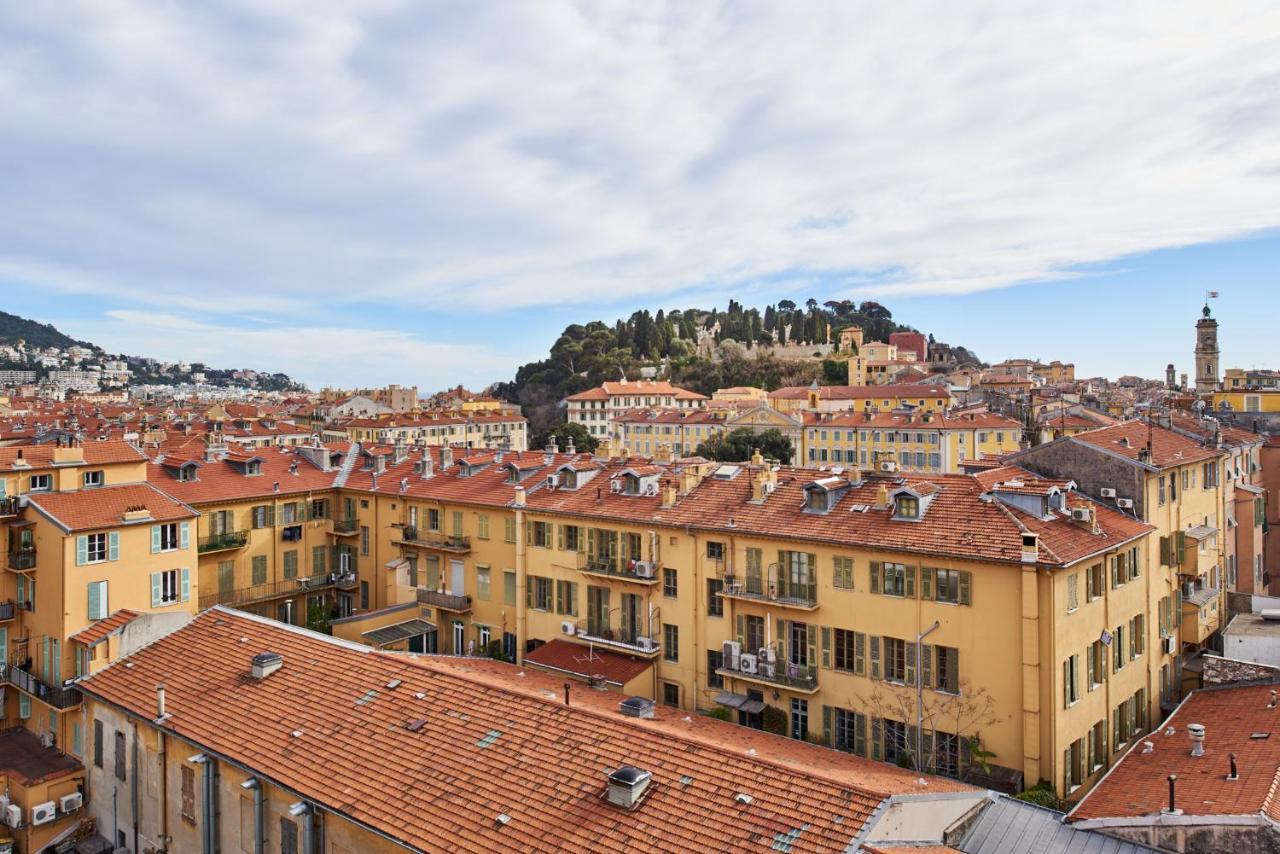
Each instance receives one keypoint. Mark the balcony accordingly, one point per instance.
(8, 610)
(344, 527)
(271, 590)
(411, 537)
(23, 559)
(444, 601)
(630, 642)
(346, 581)
(642, 572)
(1200, 615)
(223, 542)
(802, 678)
(9, 507)
(59, 698)
(799, 597)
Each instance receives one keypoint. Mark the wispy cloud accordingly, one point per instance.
(235, 156)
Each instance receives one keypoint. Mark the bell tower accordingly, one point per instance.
(1206, 353)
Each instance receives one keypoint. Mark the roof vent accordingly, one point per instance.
(628, 785)
(636, 707)
(1196, 733)
(266, 663)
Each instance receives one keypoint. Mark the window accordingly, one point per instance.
(567, 598)
(96, 548)
(164, 538)
(41, 482)
(539, 534)
(320, 508)
(167, 587)
(291, 563)
(482, 526)
(842, 573)
(97, 742)
(946, 585)
(799, 718)
(670, 642)
(120, 755)
(1097, 664)
(482, 583)
(895, 660)
(1073, 765)
(364, 540)
(1071, 680)
(1136, 636)
(669, 582)
(671, 694)
(572, 538)
(715, 660)
(1117, 649)
(1073, 592)
(188, 794)
(288, 836)
(364, 595)
(93, 478)
(715, 551)
(319, 560)
(847, 650)
(897, 739)
(508, 587)
(715, 605)
(1093, 583)
(849, 731)
(259, 570)
(98, 607)
(896, 579)
(946, 671)
(539, 593)
(433, 519)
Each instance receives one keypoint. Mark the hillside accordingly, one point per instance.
(699, 349)
(41, 336)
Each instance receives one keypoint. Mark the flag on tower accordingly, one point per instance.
(1213, 294)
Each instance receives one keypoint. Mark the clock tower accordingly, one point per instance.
(1206, 353)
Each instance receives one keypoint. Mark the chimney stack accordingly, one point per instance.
(161, 714)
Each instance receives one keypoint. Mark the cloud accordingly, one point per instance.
(316, 355)
(238, 157)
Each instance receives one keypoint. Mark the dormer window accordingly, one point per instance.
(568, 479)
(907, 507)
(630, 484)
(816, 502)
(254, 467)
(186, 472)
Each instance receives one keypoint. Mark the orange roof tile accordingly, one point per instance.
(1129, 439)
(105, 506)
(102, 629)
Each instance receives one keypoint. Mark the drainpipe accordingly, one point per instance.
(920, 690)
(163, 810)
(207, 829)
(133, 788)
(305, 814)
(259, 842)
(522, 581)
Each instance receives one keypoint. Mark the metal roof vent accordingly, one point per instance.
(266, 663)
(636, 707)
(628, 785)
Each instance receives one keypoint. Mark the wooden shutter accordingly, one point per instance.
(113, 545)
(185, 581)
(875, 656)
(82, 549)
(826, 648)
(926, 582)
(860, 734)
(926, 665)
(1066, 682)
(875, 576)
(741, 620)
(95, 600)
(909, 588)
(155, 538)
(860, 653)
(184, 535)
(156, 589)
(966, 584)
(811, 642)
(1089, 668)
(1166, 552)
(560, 537)
(826, 726)
(909, 655)
(877, 739)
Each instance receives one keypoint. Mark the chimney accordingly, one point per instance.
(400, 451)
(266, 663)
(757, 458)
(446, 457)
(428, 464)
(1030, 547)
(569, 449)
(627, 786)
(161, 714)
(520, 497)
(1172, 809)
(668, 496)
(882, 498)
(379, 463)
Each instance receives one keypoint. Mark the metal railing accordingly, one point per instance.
(445, 601)
(8, 610)
(223, 541)
(57, 697)
(24, 559)
(803, 677)
(9, 506)
(346, 581)
(432, 540)
(269, 590)
(346, 526)
(644, 572)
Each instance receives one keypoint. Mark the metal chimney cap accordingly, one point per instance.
(629, 775)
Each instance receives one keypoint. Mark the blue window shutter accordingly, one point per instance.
(186, 584)
(82, 549)
(22, 593)
(155, 590)
(24, 706)
(113, 546)
(155, 538)
(184, 535)
(94, 600)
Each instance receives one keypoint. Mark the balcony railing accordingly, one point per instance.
(8, 610)
(222, 542)
(632, 641)
(57, 697)
(345, 527)
(755, 668)
(753, 588)
(638, 571)
(444, 601)
(410, 536)
(24, 559)
(270, 590)
(346, 581)
(9, 507)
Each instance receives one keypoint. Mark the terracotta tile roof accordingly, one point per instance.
(901, 421)
(672, 415)
(638, 387)
(23, 756)
(1138, 784)
(862, 392)
(105, 506)
(40, 457)
(221, 480)
(585, 661)
(1129, 439)
(101, 630)
(494, 740)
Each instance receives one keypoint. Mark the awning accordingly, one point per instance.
(398, 632)
(741, 702)
(1201, 532)
(22, 523)
(395, 563)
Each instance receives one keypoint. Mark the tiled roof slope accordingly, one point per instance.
(105, 506)
(1138, 784)
(40, 457)
(221, 480)
(859, 392)
(1129, 439)
(485, 749)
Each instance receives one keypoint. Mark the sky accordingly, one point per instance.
(359, 193)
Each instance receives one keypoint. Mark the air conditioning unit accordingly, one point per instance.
(43, 813)
(1126, 503)
(647, 644)
(768, 669)
(71, 802)
(568, 628)
(1170, 644)
(1107, 492)
(644, 569)
(767, 653)
(747, 664)
(888, 465)
(13, 815)
(729, 654)
(1080, 514)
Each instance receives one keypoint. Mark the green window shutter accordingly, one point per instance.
(155, 538)
(741, 629)
(184, 535)
(911, 662)
(860, 653)
(1066, 683)
(186, 585)
(811, 642)
(24, 706)
(875, 576)
(910, 574)
(82, 549)
(826, 726)
(826, 647)
(582, 542)
(877, 742)
(113, 546)
(860, 734)
(528, 592)
(1166, 553)
(926, 665)
(875, 656)
(528, 533)
(155, 590)
(1089, 668)
(926, 582)
(966, 581)
(560, 537)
